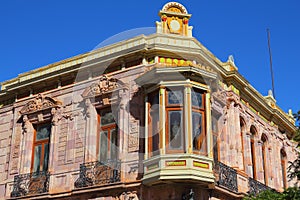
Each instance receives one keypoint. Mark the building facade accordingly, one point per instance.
(152, 117)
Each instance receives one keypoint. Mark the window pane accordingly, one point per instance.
(113, 144)
(46, 157)
(103, 146)
(107, 118)
(175, 97)
(196, 99)
(43, 132)
(37, 158)
(154, 101)
(175, 130)
(155, 131)
(197, 130)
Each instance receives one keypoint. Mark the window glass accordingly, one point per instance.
(154, 123)
(197, 130)
(103, 145)
(175, 130)
(37, 158)
(175, 97)
(46, 157)
(196, 99)
(113, 144)
(107, 118)
(154, 101)
(43, 132)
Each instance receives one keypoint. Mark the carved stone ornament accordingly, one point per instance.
(128, 196)
(40, 103)
(174, 7)
(103, 86)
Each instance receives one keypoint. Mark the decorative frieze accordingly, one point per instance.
(133, 141)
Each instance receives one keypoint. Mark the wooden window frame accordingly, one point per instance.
(150, 128)
(42, 142)
(109, 129)
(203, 130)
(174, 107)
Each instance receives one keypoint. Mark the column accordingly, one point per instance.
(146, 128)
(162, 120)
(188, 120)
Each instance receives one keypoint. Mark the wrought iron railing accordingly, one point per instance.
(227, 177)
(30, 184)
(98, 173)
(256, 187)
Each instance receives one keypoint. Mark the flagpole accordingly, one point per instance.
(271, 65)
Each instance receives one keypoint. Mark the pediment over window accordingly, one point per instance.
(40, 103)
(103, 86)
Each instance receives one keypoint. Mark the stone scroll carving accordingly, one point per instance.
(103, 86)
(128, 196)
(39, 103)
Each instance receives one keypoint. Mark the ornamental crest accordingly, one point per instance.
(103, 86)
(40, 103)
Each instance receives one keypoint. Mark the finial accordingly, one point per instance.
(231, 59)
(270, 93)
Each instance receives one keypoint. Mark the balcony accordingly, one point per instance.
(30, 184)
(256, 187)
(229, 179)
(99, 173)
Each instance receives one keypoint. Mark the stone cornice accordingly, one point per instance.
(250, 94)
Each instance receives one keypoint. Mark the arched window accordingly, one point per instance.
(264, 157)
(243, 128)
(283, 167)
(253, 132)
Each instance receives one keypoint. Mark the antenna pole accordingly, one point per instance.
(271, 65)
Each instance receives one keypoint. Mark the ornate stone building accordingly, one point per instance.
(152, 117)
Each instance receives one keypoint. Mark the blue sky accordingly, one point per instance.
(35, 33)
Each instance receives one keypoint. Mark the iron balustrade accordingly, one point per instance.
(256, 187)
(30, 184)
(227, 177)
(99, 173)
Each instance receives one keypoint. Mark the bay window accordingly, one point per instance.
(176, 121)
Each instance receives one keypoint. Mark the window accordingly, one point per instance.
(198, 126)
(283, 168)
(41, 148)
(108, 136)
(170, 121)
(216, 142)
(243, 127)
(264, 157)
(174, 113)
(252, 146)
(153, 123)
